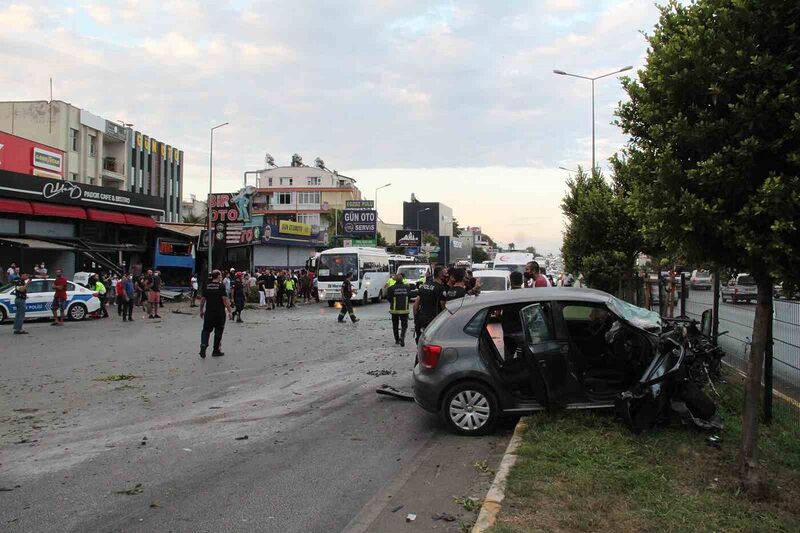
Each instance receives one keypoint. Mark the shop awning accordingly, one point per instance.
(20, 207)
(55, 210)
(98, 215)
(34, 244)
(140, 220)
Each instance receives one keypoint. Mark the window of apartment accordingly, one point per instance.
(314, 181)
(90, 181)
(92, 145)
(341, 183)
(284, 198)
(73, 139)
(73, 176)
(308, 219)
(287, 181)
(308, 198)
(269, 182)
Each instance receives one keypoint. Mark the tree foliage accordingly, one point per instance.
(478, 255)
(713, 161)
(602, 239)
(531, 250)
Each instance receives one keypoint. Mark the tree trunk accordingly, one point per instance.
(749, 476)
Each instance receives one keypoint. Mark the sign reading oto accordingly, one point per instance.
(360, 222)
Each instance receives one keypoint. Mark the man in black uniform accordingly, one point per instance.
(281, 280)
(347, 295)
(214, 305)
(431, 298)
(457, 288)
(398, 296)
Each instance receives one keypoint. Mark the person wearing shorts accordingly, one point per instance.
(59, 299)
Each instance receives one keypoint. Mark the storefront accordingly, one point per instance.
(75, 227)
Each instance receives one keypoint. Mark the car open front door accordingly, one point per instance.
(547, 356)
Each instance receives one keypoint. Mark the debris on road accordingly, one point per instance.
(388, 390)
(155, 505)
(116, 377)
(397, 508)
(381, 372)
(446, 517)
(410, 517)
(137, 489)
(243, 437)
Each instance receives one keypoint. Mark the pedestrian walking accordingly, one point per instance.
(96, 285)
(399, 296)
(128, 296)
(430, 301)
(281, 279)
(194, 285)
(214, 305)
(269, 288)
(262, 296)
(305, 286)
(289, 287)
(20, 302)
(154, 296)
(347, 296)
(59, 305)
(237, 289)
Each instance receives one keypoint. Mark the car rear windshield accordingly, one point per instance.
(413, 273)
(436, 323)
(703, 274)
(492, 283)
(746, 280)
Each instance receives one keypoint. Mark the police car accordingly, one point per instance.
(80, 300)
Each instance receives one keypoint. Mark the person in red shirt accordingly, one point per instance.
(120, 295)
(533, 276)
(59, 298)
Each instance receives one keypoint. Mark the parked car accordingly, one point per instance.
(741, 288)
(80, 300)
(517, 352)
(701, 279)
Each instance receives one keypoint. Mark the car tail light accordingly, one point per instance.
(430, 356)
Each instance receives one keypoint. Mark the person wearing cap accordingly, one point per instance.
(237, 291)
(214, 304)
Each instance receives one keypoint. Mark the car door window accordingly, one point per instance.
(37, 287)
(536, 325)
(70, 286)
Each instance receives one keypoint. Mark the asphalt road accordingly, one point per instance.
(320, 444)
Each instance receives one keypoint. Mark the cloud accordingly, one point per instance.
(17, 18)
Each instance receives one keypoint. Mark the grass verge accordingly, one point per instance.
(584, 471)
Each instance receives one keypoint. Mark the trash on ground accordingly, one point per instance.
(116, 377)
(381, 372)
(447, 517)
(243, 437)
(410, 517)
(388, 390)
(137, 489)
(155, 505)
(187, 449)
(397, 508)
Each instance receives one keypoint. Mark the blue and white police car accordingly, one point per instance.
(80, 300)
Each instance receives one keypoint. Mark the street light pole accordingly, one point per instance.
(592, 79)
(376, 195)
(210, 183)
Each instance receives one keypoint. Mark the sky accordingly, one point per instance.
(453, 101)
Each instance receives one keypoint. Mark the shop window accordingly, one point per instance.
(73, 139)
(92, 146)
(49, 229)
(9, 225)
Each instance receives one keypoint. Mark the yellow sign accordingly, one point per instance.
(138, 140)
(163, 150)
(175, 154)
(294, 228)
(146, 143)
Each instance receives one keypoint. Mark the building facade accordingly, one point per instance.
(430, 217)
(94, 151)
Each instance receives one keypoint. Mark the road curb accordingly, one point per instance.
(497, 492)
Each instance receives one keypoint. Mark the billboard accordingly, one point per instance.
(359, 204)
(18, 154)
(360, 222)
(408, 237)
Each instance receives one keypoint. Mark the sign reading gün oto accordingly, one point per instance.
(360, 222)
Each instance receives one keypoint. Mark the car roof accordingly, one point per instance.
(490, 274)
(566, 294)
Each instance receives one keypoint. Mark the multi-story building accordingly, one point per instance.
(431, 217)
(194, 208)
(303, 194)
(96, 151)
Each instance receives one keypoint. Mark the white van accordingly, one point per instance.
(512, 261)
(370, 268)
(493, 280)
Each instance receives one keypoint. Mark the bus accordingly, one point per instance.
(175, 260)
(397, 260)
(370, 268)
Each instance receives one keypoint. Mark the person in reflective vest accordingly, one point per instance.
(399, 295)
(289, 287)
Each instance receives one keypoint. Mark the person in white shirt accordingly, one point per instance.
(195, 287)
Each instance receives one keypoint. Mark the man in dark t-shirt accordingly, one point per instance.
(347, 295)
(214, 306)
(429, 302)
(269, 288)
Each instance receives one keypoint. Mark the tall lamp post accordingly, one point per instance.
(210, 183)
(562, 73)
(376, 194)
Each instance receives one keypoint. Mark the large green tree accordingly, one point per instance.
(478, 255)
(714, 153)
(602, 239)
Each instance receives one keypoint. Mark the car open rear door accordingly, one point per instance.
(547, 356)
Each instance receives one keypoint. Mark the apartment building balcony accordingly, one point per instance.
(322, 207)
(113, 170)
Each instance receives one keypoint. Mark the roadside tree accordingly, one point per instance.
(713, 160)
(478, 255)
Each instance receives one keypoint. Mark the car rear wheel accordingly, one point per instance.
(470, 408)
(379, 298)
(365, 299)
(3, 315)
(77, 312)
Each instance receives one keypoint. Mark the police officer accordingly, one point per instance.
(398, 296)
(214, 305)
(457, 287)
(430, 301)
(347, 295)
